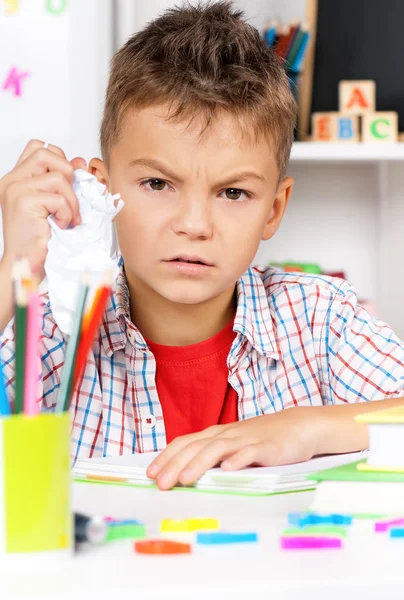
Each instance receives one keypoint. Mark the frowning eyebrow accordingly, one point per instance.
(158, 166)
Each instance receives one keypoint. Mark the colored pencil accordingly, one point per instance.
(32, 355)
(5, 409)
(294, 30)
(283, 40)
(297, 64)
(21, 274)
(91, 323)
(66, 384)
(296, 45)
(270, 33)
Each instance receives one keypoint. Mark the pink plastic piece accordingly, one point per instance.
(309, 543)
(385, 525)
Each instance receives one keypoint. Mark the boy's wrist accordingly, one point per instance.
(335, 430)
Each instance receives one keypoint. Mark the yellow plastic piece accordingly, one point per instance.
(388, 415)
(188, 525)
(383, 469)
(37, 482)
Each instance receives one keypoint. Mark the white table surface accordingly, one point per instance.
(370, 566)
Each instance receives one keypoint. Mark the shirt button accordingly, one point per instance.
(149, 421)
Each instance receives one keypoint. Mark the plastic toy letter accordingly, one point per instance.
(56, 7)
(14, 79)
(11, 6)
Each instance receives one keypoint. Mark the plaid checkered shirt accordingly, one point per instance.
(301, 340)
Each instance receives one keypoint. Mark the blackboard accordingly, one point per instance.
(357, 39)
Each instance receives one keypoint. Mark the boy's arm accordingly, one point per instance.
(361, 358)
(336, 429)
(289, 436)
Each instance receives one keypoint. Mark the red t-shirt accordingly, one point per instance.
(192, 384)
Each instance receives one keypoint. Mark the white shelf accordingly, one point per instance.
(346, 152)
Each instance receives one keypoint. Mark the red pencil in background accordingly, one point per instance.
(282, 45)
(91, 323)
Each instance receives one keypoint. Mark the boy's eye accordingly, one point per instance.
(235, 194)
(157, 185)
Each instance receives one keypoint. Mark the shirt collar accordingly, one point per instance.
(253, 318)
(113, 326)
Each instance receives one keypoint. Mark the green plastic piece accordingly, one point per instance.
(312, 268)
(126, 532)
(36, 454)
(316, 530)
(349, 472)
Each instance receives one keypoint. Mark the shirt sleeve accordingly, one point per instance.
(50, 360)
(363, 359)
(7, 353)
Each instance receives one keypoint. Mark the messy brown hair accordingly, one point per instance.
(200, 60)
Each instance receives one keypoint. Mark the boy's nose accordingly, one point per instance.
(193, 218)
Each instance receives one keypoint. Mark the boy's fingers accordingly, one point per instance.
(169, 474)
(53, 204)
(54, 183)
(268, 454)
(79, 163)
(43, 160)
(173, 448)
(35, 145)
(245, 457)
(213, 452)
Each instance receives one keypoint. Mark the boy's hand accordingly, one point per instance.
(38, 186)
(285, 437)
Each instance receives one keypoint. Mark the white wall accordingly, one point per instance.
(330, 220)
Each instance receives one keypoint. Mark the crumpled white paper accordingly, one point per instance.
(86, 247)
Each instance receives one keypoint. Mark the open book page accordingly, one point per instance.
(132, 469)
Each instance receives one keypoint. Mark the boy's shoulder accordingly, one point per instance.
(278, 283)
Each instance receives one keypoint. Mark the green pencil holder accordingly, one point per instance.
(35, 512)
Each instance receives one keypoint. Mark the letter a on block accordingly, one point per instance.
(13, 81)
(357, 97)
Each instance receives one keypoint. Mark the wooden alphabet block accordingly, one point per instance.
(334, 127)
(380, 127)
(357, 97)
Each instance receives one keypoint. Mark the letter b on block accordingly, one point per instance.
(334, 127)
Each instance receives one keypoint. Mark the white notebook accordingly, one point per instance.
(131, 470)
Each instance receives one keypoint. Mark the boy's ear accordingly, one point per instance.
(97, 167)
(278, 208)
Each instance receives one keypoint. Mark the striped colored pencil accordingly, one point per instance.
(296, 44)
(32, 355)
(91, 323)
(66, 384)
(5, 409)
(22, 282)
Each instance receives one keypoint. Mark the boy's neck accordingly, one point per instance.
(171, 324)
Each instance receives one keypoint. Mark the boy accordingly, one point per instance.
(195, 346)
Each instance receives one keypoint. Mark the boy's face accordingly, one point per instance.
(196, 207)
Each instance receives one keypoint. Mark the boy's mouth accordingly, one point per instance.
(193, 260)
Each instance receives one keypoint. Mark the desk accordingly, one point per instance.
(369, 567)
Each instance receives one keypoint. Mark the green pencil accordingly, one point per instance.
(21, 273)
(66, 385)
